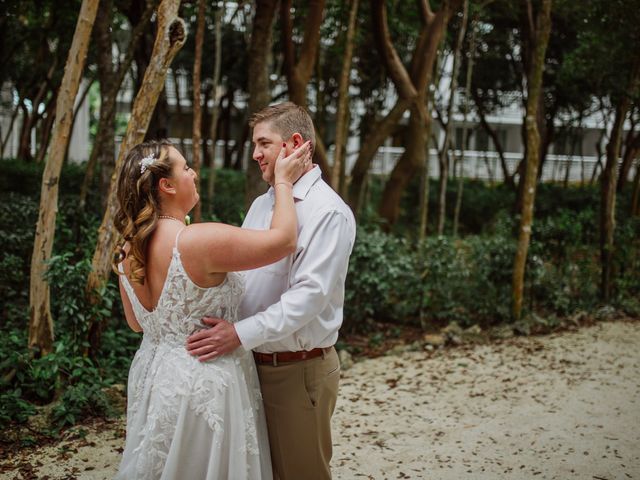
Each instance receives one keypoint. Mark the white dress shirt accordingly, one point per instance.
(297, 303)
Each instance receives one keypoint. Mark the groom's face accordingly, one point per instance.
(267, 145)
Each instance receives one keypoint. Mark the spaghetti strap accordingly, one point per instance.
(175, 246)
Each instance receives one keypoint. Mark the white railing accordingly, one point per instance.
(487, 165)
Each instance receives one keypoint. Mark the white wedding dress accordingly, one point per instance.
(186, 419)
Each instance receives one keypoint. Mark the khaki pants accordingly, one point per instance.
(299, 399)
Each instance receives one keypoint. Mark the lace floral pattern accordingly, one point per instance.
(186, 418)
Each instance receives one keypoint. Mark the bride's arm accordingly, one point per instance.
(128, 310)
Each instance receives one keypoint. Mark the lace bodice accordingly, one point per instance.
(182, 304)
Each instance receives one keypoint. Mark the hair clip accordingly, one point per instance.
(146, 162)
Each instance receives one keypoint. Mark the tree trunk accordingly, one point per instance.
(635, 197)
(14, 115)
(299, 72)
(543, 28)
(40, 320)
(608, 188)
(258, 77)
(465, 128)
(170, 38)
(444, 162)
(215, 111)
(103, 152)
(197, 101)
(408, 164)
(368, 149)
(631, 152)
(342, 116)
(508, 177)
(47, 127)
(29, 121)
(424, 58)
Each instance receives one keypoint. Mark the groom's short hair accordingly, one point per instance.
(287, 118)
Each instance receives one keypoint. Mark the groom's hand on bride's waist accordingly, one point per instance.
(212, 342)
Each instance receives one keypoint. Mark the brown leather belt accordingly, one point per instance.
(287, 357)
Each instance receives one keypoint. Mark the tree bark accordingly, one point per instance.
(197, 101)
(170, 38)
(40, 320)
(258, 76)
(542, 31)
(338, 175)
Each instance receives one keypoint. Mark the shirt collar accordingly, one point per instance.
(303, 185)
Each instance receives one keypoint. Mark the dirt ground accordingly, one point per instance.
(562, 406)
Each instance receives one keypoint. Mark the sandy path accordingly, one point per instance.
(563, 406)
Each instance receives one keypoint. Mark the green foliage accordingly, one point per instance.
(469, 279)
(385, 270)
(228, 198)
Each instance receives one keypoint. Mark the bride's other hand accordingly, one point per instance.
(290, 168)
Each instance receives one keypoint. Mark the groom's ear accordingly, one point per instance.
(297, 140)
(165, 185)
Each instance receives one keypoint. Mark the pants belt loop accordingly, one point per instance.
(275, 359)
(324, 353)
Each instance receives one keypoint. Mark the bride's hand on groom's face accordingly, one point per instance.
(218, 340)
(291, 167)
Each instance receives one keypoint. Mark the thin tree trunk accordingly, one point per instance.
(40, 320)
(444, 162)
(81, 100)
(14, 115)
(258, 80)
(508, 177)
(543, 28)
(465, 128)
(631, 151)
(29, 121)
(179, 112)
(47, 127)
(197, 101)
(635, 197)
(170, 38)
(608, 188)
(215, 111)
(342, 115)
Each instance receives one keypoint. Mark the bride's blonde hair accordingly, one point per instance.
(138, 202)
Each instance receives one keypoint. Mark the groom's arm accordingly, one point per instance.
(327, 241)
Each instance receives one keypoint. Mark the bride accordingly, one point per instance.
(188, 419)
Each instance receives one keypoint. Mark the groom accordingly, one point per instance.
(292, 309)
